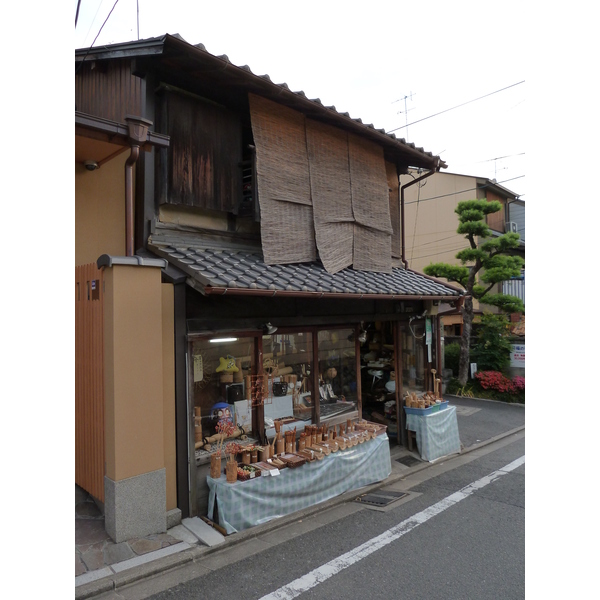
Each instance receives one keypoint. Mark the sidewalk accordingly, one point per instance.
(102, 565)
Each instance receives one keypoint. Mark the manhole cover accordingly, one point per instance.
(408, 461)
(381, 498)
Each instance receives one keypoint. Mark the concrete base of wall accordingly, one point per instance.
(173, 518)
(135, 507)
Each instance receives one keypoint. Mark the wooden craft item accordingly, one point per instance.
(215, 466)
(231, 471)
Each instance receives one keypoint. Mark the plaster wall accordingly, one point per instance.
(430, 220)
(134, 376)
(100, 210)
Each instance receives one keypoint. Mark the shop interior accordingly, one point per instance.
(356, 378)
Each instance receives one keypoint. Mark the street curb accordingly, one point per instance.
(194, 553)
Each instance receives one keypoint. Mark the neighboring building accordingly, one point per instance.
(234, 230)
(431, 224)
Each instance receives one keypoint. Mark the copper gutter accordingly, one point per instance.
(221, 291)
(402, 188)
(137, 135)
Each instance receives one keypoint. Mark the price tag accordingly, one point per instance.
(251, 474)
(274, 472)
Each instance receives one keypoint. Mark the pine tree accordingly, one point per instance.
(482, 267)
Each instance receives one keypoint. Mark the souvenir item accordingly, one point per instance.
(227, 364)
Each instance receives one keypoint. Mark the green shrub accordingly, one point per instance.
(451, 357)
(491, 352)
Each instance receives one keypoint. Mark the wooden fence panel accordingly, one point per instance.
(89, 380)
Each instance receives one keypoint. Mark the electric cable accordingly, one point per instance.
(101, 28)
(454, 107)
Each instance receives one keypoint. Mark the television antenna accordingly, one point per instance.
(406, 110)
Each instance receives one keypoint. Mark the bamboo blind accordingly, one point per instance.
(286, 213)
(372, 250)
(320, 187)
(331, 195)
(393, 185)
(89, 381)
(370, 196)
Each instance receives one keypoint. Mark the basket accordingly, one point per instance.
(247, 472)
(425, 411)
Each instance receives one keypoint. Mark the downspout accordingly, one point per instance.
(138, 134)
(402, 188)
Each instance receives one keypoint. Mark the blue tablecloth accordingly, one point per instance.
(245, 504)
(437, 433)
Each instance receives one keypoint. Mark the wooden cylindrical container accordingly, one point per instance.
(215, 465)
(254, 456)
(246, 457)
(289, 447)
(231, 471)
(279, 446)
(302, 443)
(263, 453)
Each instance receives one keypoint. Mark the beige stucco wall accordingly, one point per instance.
(100, 210)
(434, 238)
(134, 376)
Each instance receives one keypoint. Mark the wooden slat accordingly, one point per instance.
(89, 381)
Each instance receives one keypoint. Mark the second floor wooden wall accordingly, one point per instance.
(108, 90)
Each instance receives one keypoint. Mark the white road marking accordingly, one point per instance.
(331, 568)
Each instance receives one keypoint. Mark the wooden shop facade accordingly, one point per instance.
(271, 227)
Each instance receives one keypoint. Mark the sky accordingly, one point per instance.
(391, 64)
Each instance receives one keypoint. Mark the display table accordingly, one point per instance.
(437, 433)
(245, 504)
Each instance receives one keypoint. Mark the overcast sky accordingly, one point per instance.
(387, 63)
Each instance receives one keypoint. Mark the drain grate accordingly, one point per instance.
(381, 498)
(408, 461)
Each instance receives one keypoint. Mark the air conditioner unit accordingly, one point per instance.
(510, 227)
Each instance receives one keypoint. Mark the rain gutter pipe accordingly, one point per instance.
(402, 188)
(137, 134)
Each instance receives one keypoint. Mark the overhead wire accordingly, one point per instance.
(101, 28)
(455, 107)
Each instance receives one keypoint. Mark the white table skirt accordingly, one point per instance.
(245, 504)
(437, 433)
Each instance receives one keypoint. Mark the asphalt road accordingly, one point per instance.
(433, 543)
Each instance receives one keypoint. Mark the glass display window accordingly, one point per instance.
(338, 393)
(413, 357)
(288, 368)
(220, 382)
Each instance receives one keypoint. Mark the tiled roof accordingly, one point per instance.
(242, 75)
(243, 271)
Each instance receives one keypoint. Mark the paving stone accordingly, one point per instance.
(93, 557)
(182, 533)
(87, 509)
(114, 553)
(80, 567)
(143, 546)
(90, 531)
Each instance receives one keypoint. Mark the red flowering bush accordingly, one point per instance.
(496, 381)
(519, 383)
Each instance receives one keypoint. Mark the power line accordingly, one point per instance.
(463, 191)
(458, 106)
(101, 28)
